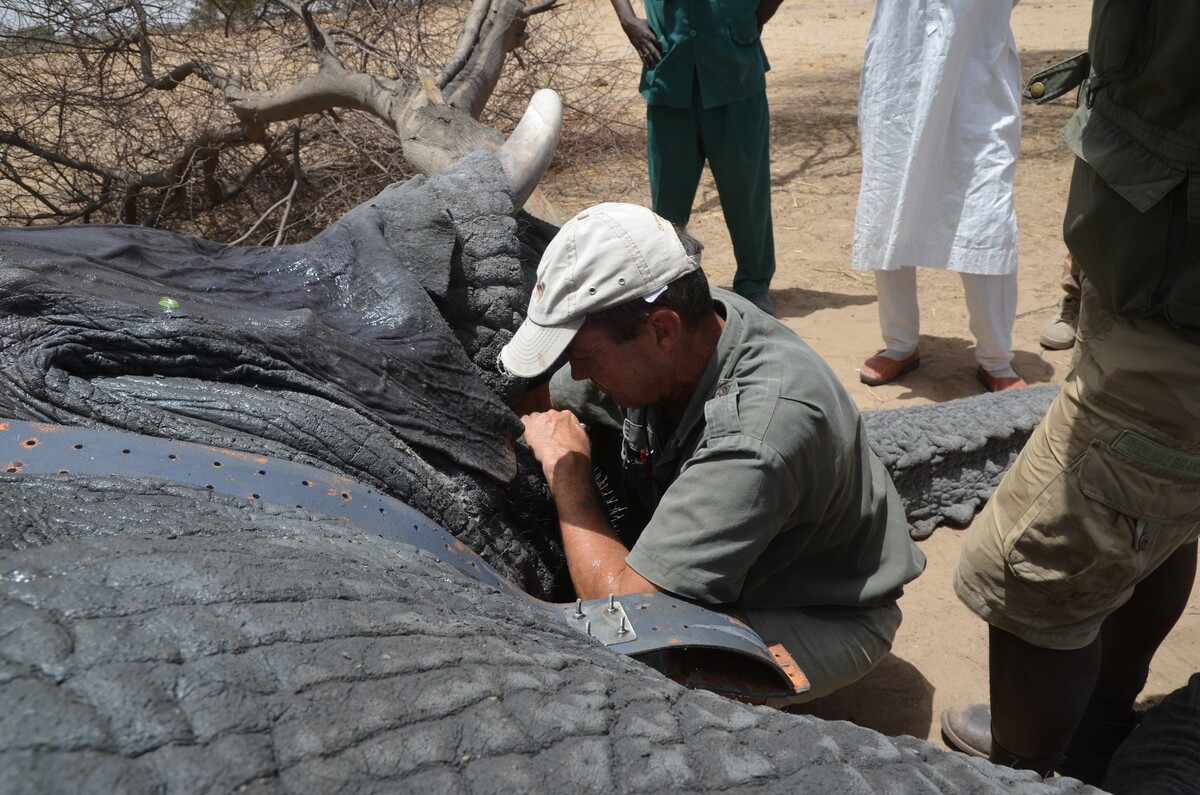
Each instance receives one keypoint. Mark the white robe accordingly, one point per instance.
(940, 123)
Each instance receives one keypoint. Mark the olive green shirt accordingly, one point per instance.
(767, 493)
(1138, 123)
(1138, 128)
(714, 43)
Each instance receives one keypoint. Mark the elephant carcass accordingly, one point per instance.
(155, 636)
(946, 459)
(259, 648)
(335, 352)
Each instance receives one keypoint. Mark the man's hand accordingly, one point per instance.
(561, 445)
(639, 33)
(595, 557)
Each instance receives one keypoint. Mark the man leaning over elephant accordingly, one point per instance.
(741, 442)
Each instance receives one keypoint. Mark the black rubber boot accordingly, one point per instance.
(968, 728)
(1005, 758)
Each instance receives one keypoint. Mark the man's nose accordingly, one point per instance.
(578, 371)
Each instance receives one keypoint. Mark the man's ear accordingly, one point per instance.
(666, 326)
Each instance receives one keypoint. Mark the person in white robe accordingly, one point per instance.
(940, 124)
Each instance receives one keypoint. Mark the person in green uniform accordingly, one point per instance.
(1084, 559)
(704, 81)
(749, 455)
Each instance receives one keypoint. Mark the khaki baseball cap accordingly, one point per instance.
(605, 256)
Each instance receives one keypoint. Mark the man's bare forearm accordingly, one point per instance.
(766, 10)
(624, 11)
(595, 556)
(638, 31)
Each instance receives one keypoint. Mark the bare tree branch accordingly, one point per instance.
(113, 110)
(472, 85)
(466, 42)
(539, 8)
(297, 178)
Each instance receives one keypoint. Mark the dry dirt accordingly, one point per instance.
(815, 49)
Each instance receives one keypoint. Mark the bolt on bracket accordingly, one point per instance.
(603, 619)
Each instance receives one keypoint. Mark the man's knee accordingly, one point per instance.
(834, 652)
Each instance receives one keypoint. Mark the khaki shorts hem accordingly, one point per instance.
(1062, 641)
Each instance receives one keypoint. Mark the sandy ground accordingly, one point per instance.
(815, 49)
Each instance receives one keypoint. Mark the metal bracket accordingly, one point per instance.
(666, 626)
(41, 448)
(606, 621)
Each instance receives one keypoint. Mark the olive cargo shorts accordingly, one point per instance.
(1105, 490)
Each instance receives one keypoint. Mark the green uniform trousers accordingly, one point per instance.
(735, 140)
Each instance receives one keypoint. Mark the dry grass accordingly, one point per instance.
(96, 110)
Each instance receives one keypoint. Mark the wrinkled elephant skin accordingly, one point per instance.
(159, 637)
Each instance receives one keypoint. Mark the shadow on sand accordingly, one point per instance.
(893, 699)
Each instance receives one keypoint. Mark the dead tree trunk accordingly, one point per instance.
(435, 118)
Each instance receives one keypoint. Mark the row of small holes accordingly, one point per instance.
(173, 457)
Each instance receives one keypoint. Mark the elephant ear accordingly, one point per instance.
(421, 235)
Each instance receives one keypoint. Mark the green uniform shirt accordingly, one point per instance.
(767, 493)
(713, 42)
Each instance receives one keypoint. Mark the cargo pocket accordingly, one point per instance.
(744, 33)
(1102, 523)
(665, 63)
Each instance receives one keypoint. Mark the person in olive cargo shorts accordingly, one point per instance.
(1084, 559)
(704, 81)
